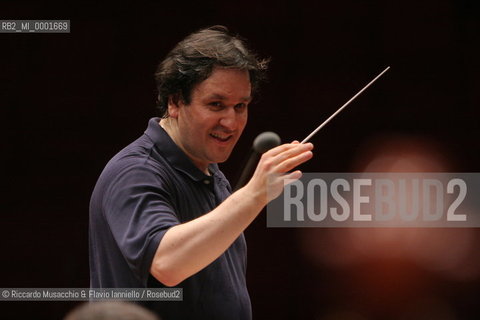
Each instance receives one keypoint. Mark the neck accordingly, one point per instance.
(171, 127)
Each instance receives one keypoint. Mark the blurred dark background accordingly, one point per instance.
(69, 102)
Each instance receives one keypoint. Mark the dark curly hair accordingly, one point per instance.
(193, 59)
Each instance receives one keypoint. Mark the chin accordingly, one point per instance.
(222, 159)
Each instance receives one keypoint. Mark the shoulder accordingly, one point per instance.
(139, 155)
(137, 164)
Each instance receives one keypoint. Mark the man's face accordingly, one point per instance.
(210, 126)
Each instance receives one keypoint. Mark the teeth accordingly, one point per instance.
(215, 135)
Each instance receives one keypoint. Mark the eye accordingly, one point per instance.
(216, 105)
(240, 106)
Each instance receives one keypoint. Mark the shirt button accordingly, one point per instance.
(206, 181)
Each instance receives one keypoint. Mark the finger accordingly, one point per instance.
(292, 176)
(282, 148)
(298, 149)
(293, 162)
(286, 179)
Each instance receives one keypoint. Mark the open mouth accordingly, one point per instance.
(220, 137)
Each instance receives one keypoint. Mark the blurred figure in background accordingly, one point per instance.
(110, 310)
(394, 273)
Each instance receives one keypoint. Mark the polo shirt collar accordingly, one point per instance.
(174, 155)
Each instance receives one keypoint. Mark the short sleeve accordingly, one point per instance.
(138, 209)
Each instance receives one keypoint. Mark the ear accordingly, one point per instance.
(174, 104)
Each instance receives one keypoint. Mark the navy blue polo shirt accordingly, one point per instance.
(148, 187)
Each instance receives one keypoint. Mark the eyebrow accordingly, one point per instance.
(217, 96)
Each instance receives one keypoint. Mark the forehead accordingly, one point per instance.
(228, 83)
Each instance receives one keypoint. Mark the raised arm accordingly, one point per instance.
(189, 247)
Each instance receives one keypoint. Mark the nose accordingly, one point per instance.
(229, 119)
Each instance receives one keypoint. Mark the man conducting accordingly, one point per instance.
(162, 213)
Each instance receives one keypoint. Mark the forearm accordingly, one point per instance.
(189, 247)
